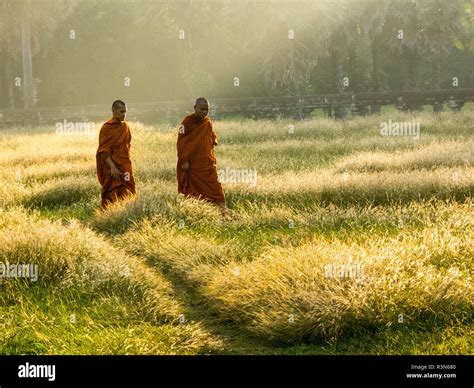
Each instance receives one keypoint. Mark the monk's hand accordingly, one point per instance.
(115, 172)
(185, 165)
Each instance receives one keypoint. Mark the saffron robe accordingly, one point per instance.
(196, 141)
(115, 141)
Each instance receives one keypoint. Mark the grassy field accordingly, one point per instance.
(348, 242)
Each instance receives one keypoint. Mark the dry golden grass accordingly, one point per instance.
(421, 273)
(69, 255)
(328, 195)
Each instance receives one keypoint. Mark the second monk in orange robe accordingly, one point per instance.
(196, 168)
(114, 167)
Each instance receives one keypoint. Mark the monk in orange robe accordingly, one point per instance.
(114, 167)
(196, 168)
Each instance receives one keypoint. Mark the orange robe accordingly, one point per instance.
(196, 141)
(114, 141)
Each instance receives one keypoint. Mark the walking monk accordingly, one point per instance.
(114, 167)
(196, 169)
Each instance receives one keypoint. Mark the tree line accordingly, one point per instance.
(68, 52)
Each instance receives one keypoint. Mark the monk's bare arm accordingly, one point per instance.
(114, 171)
(184, 164)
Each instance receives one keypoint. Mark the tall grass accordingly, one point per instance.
(422, 273)
(328, 195)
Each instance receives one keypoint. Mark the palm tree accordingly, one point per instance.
(200, 33)
(373, 16)
(285, 62)
(28, 92)
(25, 24)
(429, 28)
(465, 36)
(9, 47)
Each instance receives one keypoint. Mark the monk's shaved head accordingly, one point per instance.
(201, 100)
(201, 107)
(119, 109)
(117, 104)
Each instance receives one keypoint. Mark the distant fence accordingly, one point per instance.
(298, 107)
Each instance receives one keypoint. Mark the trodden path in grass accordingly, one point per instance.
(200, 268)
(326, 196)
